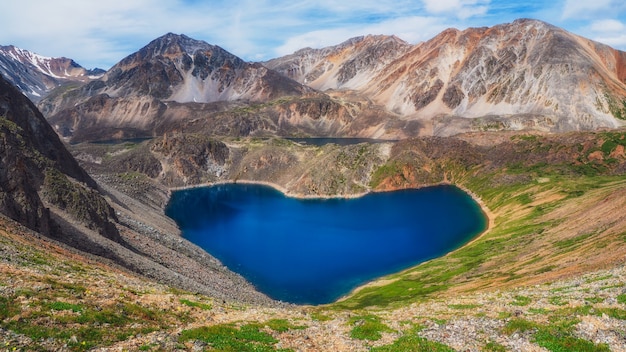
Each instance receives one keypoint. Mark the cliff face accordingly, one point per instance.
(37, 171)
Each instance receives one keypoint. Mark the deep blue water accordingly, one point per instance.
(313, 251)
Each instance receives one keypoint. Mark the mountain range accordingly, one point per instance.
(522, 75)
(37, 75)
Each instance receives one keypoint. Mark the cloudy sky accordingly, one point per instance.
(100, 33)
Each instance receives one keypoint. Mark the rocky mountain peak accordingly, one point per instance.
(345, 65)
(36, 75)
(175, 46)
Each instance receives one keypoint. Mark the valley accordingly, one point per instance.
(525, 117)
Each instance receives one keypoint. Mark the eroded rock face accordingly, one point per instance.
(35, 161)
(191, 159)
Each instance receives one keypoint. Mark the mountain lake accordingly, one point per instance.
(314, 251)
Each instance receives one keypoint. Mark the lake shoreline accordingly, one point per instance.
(490, 217)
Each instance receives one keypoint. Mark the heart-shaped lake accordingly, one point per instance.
(313, 251)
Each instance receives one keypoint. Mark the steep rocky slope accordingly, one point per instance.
(521, 75)
(37, 170)
(37, 75)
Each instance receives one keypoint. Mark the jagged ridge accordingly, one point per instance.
(37, 75)
(525, 67)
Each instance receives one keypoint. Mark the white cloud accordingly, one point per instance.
(609, 32)
(616, 40)
(609, 25)
(460, 8)
(573, 9)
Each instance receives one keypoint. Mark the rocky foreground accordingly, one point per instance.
(52, 298)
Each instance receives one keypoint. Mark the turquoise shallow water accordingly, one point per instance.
(313, 251)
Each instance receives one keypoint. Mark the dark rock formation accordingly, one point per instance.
(34, 159)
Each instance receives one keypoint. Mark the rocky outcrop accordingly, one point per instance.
(37, 172)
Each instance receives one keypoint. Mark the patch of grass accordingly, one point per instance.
(545, 269)
(524, 198)
(72, 288)
(504, 315)
(599, 278)
(203, 306)
(493, 346)
(385, 171)
(367, 327)
(615, 313)
(594, 299)
(320, 316)
(608, 287)
(558, 341)
(227, 337)
(148, 347)
(411, 342)
(621, 298)
(464, 306)
(518, 325)
(65, 306)
(8, 308)
(558, 336)
(571, 243)
(541, 311)
(521, 301)
(557, 301)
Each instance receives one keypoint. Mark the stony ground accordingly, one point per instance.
(53, 299)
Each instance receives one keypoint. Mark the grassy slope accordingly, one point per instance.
(550, 221)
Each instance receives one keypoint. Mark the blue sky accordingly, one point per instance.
(100, 33)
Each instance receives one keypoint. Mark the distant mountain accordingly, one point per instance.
(525, 74)
(38, 173)
(36, 75)
(521, 75)
(349, 65)
(181, 69)
(166, 77)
